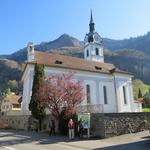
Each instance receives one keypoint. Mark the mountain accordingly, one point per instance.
(131, 55)
(141, 43)
(140, 67)
(10, 74)
(64, 41)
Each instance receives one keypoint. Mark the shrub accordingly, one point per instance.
(63, 123)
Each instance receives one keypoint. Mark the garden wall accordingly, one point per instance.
(113, 124)
(103, 125)
(19, 120)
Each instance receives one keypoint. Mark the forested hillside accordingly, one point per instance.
(131, 55)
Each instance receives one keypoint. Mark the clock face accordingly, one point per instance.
(95, 37)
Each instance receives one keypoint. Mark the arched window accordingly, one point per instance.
(87, 53)
(97, 51)
(105, 95)
(124, 95)
(88, 93)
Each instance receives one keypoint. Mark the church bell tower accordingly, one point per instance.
(93, 49)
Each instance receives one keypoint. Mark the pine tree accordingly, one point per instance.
(140, 93)
(37, 110)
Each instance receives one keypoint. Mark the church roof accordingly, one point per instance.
(62, 61)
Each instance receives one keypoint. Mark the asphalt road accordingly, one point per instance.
(23, 140)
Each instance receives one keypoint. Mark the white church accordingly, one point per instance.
(109, 88)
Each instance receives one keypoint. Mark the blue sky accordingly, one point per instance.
(22, 21)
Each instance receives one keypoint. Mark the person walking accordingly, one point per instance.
(80, 129)
(29, 124)
(52, 127)
(71, 129)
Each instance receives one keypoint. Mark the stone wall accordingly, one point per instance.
(19, 120)
(14, 121)
(102, 124)
(113, 124)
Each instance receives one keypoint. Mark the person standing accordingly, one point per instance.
(29, 124)
(71, 129)
(80, 129)
(52, 127)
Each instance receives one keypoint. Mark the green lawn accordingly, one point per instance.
(146, 109)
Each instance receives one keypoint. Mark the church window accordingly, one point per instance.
(97, 51)
(124, 95)
(88, 93)
(87, 53)
(105, 95)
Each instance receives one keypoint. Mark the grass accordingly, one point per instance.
(146, 109)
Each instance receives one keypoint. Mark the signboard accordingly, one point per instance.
(85, 118)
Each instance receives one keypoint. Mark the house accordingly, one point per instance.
(109, 89)
(11, 103)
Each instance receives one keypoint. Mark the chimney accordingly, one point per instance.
(30, 52)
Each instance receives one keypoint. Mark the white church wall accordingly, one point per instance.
(111, 103)
(92, 91)
(80, 76)
(27, 87)
(124, 81)
(137, 107)
(96, 82)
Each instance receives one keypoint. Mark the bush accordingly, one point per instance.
(146, 103)
(63, 123)
(146, 109)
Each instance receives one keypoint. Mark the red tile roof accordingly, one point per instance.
(62, 61)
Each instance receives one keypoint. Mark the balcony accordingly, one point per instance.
(91, 108)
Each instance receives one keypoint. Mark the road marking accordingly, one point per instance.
(10, 148)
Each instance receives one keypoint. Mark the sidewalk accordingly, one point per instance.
(136, 141)
(42, 141)
(128, 141)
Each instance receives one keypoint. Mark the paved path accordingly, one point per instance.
(21, 140)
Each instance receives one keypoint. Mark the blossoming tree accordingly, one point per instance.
(61, 91)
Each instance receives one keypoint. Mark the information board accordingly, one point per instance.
(85, 118)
